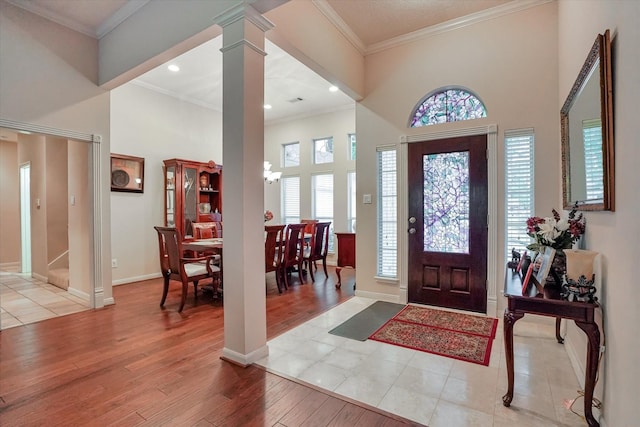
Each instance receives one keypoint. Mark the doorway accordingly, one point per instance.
(448, 211)
(25, 217)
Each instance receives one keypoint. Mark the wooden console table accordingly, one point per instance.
(546, 301)
(346, 253)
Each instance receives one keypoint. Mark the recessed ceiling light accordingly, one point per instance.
(174, 68)
(267, 106)
(333, 89)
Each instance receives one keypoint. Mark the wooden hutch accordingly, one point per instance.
(193, 193)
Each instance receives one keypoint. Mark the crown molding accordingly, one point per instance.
(129, 8)
(52, 16)
(454, 24)
(243, 11)
(339, 23)
(175, 95)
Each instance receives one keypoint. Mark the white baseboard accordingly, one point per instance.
(245, 359)
(40, 277)
(13, 267)
(379, 296)
(78, 293)
(109, 301)
(135, 279)
(492, 307)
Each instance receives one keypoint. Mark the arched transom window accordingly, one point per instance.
(448, 105)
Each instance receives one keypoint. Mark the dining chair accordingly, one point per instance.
(273, 251)
(205, 230)
(293, 252)
(318, 248)
(175, 266)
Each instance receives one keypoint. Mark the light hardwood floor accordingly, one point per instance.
(134, 363)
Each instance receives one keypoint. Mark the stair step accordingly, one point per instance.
(59, 277)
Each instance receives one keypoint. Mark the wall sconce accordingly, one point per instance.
(269, 176)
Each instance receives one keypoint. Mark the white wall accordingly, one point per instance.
(510, 62)
(49, 76)
(338, 125)
(147, 124)
(616, 235)
(9, 207)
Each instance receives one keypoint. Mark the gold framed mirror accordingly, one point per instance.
(586, 125)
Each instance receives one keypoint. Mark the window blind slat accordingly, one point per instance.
(518, 187)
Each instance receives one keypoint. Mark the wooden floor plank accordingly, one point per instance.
(134, 363)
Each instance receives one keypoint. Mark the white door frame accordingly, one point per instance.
(96, 286)
(25, 217)
(492, 182)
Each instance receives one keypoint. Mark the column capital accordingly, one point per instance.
(243, 11)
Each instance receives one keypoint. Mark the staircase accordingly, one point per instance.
(59, 277)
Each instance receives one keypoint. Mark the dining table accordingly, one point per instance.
(207, 245)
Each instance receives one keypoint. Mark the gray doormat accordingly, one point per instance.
(362, 325)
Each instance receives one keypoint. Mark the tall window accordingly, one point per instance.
(352, 146)
(449, 105)
(290, 199)
(291, 154)
(323, 150)
(351, 188)
(322, 201)
(518, 145)
(387, 214)
(594, 166)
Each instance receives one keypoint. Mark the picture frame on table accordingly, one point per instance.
(519, 266)
(527, 278)
(546, 258)
(127, 173)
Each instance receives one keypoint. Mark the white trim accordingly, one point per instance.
(379, 296)
(128, 280)
(492, 198)
(455, 24)
(40, 277)
(340, 25)
(13, 267)
(241, 43)
(129, 8)
(245, 359)
(243, 11)
(95, 153)
(78, 293)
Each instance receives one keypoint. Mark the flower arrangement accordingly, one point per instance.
(558, 232)
(268, 216)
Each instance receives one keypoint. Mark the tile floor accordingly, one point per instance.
(25, 300)
(429, 389)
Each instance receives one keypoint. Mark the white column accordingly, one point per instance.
(245, 330)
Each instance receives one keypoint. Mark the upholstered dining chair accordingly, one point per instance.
(273, 251)
(318, 248)
(175, 266)
(207, 230)
(293, 252)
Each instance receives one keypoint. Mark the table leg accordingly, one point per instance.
(593, 350)
(338, 269)
(558, 337)
(510, 319)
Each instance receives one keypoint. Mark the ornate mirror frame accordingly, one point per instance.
(597, 64)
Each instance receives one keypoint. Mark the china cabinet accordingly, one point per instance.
(193, 193)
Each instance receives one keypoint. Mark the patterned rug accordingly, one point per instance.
(459, 336)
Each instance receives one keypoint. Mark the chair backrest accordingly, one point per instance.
(170, 245)
(205, 230)
(320, 240)
(309, 225)
(273, 247)
(293, 244)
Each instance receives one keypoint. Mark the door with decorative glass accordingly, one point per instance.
(447, 223)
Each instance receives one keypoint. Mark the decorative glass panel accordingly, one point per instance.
(323, 150)
(291, 154)
(190, 200)
(446, 202)
(450, 105)
(352, 146)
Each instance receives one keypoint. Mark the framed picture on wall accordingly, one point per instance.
(127, 173)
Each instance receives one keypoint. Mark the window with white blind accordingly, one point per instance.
(518, 146)
(322, 201)
(290, 199)
(351, 188)
(593, 162)
(387, 214)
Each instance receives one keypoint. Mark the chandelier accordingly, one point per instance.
(270, 176)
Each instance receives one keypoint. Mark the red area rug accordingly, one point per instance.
(459, 336)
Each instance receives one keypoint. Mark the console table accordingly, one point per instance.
(346, 253)
(546, 301)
